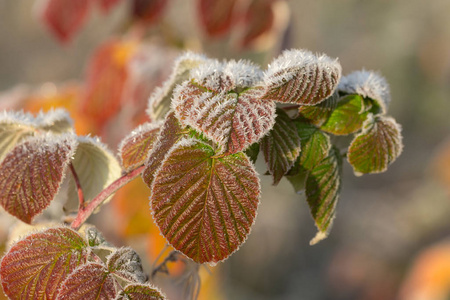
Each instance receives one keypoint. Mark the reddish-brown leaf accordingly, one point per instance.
(205, 205)
(300, 77)
(35, 267)
(148, 11)
(258, 20)
(135, 147)
(217, 16)
(90, 281)
(64, 17)
(140, 292)
(31, 174)
(281, 146)
(106, 78)
(171, 132)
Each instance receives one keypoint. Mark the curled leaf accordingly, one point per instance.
(300, 77)
(135, 147)
(323, 184)
(281, 146)
(377, 146)
(368, 84)
(159, 101)
(31, 174)
(205, 205)
(35, 267)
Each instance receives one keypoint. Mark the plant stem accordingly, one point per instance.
(85, 212)
(77, 183)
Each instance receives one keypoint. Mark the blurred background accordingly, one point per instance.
(391, 236)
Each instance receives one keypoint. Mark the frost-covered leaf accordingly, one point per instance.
(148, 11)
(377, 146)
(126, 263)
(90, 281)
(31, 174)
(64, 17)
(159, 101)
(323, 183)
(300, 77)
(315, 145)
(170, 133)
(16, 126)
(349, 115)
(368, 84)
(96, 168)
(220, 103)
(281, 146)
(35, 267)
(135, 147)
(205, 205)
(140, 292)
(217, 16)
(318, 114)
(94, 237)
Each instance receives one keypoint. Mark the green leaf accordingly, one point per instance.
(349, 115)
(323, 183)
(300, 77)
(35, 267)
(159, 101)
(318, 114)
(377, 146)
(297, 180)
(170, 133)
(281, 146)
(31, 174)
(204, 204)
(135, 147)
(315, 145)
(96, 168)
(91, 281)
(252, 152)
(140, 292)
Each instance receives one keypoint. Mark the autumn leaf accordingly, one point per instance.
(205, 205)
(217, 16)
(140, 292)
(148, 11)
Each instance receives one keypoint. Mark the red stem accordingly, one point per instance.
(85, 213)
(79, 189)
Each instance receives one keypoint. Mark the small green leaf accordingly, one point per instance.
(318, 114)
(300, 77)
(315, 145)
(35, 267)
(140, 292)
(349, 115)
(96, 168)
(281, 146)
(323, 183)
(90, 281)
(135, 147)
(252, 152)
(205, 205)
(377, 146)
(31, 174)
(170, 133)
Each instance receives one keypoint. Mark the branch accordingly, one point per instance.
(85, 213)
(79, 189)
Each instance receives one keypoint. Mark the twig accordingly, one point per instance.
(85, 213)
(77, 183)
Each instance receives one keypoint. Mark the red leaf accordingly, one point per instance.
(135, 147)
(140, 292)
(89, 282)
(30, 175)
(106, 5)
(149, 11)
(258, 20)
(217, 16)
(106, 78)
(64, 17)
(205, 206)
(35, 267)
